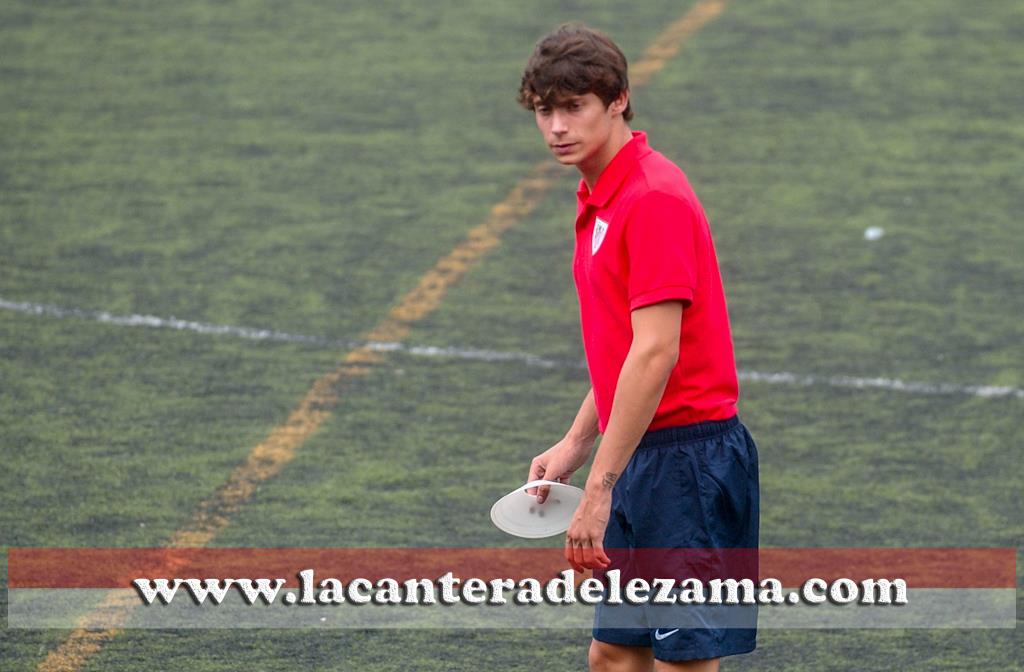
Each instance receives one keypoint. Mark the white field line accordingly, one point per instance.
(254, 334)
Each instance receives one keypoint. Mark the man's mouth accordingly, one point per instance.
(563, 147)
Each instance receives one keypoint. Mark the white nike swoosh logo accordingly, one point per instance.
(659, 635)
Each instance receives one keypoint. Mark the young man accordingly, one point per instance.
(675, 468)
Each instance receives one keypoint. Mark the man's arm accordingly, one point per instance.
(652, 355)
(559, 462)
(584, 427)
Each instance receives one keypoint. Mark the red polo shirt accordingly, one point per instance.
(642, 238)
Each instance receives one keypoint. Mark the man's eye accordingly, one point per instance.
(543, 110)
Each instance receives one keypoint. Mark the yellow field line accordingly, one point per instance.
(666, 45)
(270, 456)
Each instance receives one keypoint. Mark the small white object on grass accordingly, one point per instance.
(873, 233)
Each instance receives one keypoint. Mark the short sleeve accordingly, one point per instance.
(660, 232)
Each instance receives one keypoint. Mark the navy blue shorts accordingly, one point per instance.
(693, 487)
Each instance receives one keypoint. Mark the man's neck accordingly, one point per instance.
(593, 168)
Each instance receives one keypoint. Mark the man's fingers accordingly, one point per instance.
(581, 554)
(543, 490)
(600, 556)
(594, 555)
(587, 551)
(539, 471)
(536, 473)
(569, 555)
(586, 554)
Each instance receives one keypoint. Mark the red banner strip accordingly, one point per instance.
(118, 567)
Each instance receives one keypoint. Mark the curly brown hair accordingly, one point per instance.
(574, 60)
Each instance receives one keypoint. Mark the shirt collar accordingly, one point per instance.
(615, 172)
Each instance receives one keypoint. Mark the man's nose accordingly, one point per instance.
(558, 122)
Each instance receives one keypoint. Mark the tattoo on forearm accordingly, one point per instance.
(609, 480)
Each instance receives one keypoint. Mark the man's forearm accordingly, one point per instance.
(585, 428)
(640, 387)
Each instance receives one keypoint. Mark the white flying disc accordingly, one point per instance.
(519, 514)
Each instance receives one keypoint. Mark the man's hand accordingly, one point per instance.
(558, 463)
(584, 541)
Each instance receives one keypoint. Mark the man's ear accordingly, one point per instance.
(618, 106)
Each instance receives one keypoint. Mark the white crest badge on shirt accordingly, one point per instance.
(600, 228)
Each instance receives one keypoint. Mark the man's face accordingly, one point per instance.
(578, 127)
